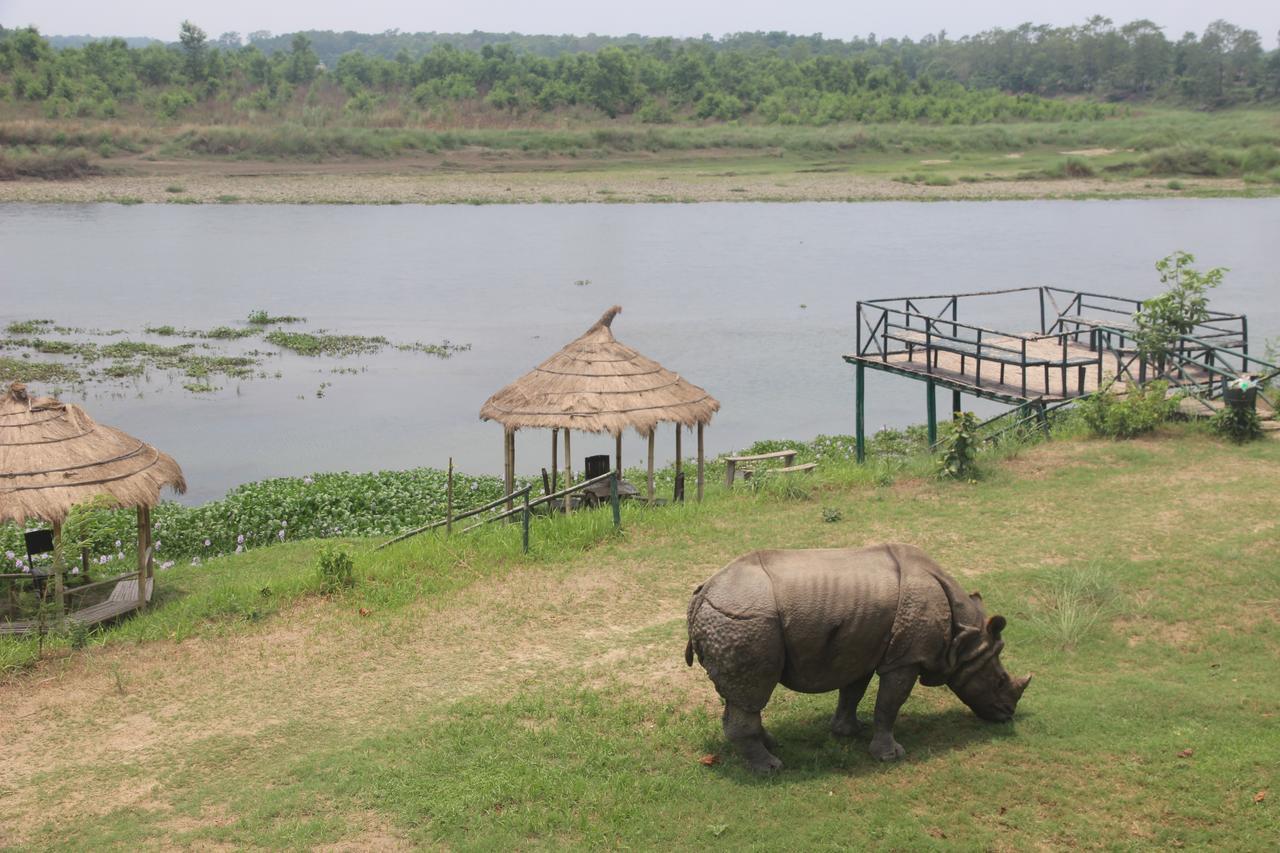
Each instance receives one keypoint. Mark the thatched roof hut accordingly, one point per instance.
(597, 384)
(53, 456)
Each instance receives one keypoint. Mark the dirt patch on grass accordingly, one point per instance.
(1140, 629)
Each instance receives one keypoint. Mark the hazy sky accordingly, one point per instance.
(833, 18)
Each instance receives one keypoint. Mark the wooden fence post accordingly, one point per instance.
(614, 502)
(524, 534)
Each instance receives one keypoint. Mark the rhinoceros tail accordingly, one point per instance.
(694, 604)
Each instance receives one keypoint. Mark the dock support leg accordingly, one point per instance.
(931, 407)
(955, 402)
(860, 411)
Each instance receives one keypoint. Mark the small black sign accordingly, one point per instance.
(39, 542)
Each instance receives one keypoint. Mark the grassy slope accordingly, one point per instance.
(486, 700)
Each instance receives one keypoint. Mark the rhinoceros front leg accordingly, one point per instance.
(747, 733)
(845, 721)
(895, 687)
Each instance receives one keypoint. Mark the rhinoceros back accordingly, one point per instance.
(837, 610)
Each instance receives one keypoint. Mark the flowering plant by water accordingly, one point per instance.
(271, 511)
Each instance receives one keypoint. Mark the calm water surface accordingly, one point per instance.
(755, 302)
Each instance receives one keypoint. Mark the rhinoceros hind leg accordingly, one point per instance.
(845, 721)
(747, 733)
(895, 687)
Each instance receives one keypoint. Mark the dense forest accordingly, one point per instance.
(999, 75)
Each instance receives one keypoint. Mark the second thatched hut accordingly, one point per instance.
(598, 384)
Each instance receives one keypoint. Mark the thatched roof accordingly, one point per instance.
(54, 456)
(596, 384)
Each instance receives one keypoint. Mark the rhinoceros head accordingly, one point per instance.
(979, 679)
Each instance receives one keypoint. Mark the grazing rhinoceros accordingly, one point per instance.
(826, 620)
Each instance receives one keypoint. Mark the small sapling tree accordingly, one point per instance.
(1176, 312)
(960, 462)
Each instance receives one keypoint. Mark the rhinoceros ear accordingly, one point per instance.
(995, 625)
(975, 595)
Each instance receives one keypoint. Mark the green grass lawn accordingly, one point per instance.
(462, 695)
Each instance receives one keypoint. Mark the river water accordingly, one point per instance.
(755, 302)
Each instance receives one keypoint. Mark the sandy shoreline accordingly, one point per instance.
(272, 184)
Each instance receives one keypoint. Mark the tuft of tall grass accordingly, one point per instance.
(1071, 602)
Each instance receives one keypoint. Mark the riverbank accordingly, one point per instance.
(1151, 153)
(462, 694)
(429, 182)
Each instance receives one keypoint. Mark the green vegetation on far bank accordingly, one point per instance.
(888, 109)
(461, 694)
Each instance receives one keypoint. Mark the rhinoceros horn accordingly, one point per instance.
(1020, 684)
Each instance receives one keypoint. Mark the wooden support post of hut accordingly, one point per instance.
(679, 487)
(598, 384)
(53, 457)
(649, 478)
(701, 463)
(555, 469)
(568, 469)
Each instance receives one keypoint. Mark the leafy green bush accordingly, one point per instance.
(960, 460)
(169, 104)
(336, 569)
(1260, 158)
(1139, 411)
(1206, 160)
(654, 111)
(1072, 167)
(1239, 424)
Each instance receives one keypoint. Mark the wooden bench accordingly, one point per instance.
(792, 469)
(123, 599)
(731, 463)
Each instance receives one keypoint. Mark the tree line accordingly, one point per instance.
(998, 75)
(1224, 64)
